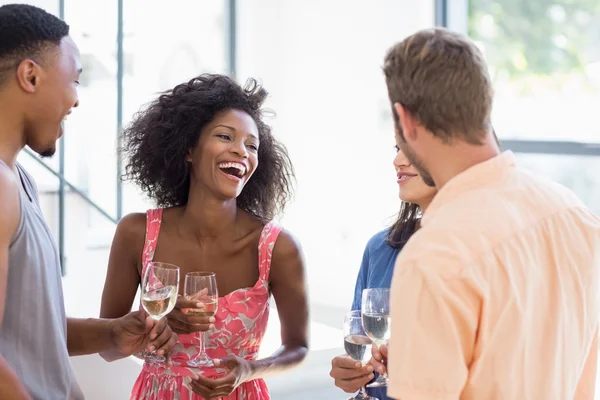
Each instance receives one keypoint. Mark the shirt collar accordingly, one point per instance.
(476, 176)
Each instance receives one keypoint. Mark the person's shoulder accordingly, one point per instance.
(287, 245)
(434, 250)
(132, 227)
(9, 184)
(9, 202)
(378, 241)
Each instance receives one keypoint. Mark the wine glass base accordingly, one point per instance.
(153, 357)
(377, 384)
(201, 362)
(360, 396)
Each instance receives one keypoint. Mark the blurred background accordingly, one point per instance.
(321, 61)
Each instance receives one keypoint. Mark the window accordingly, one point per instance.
(545, 64)
(321, 61)
(164, 46)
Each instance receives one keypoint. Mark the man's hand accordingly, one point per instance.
(350, 375)
(137, 331)
(379, 360)
(182, 321)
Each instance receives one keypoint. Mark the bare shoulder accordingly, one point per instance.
(131, 231)
(9, 201)
(287, 248)
(133, 224)
(8, 182)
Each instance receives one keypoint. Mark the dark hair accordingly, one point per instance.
(404, 226)
(26, 31)
(161, 136)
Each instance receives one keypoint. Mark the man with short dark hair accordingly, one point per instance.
(39, 73)
(497, 295)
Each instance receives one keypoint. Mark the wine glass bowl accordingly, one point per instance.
(160, 286)
(357, 345)
(377, 322)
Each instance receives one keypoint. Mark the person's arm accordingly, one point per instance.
(361, 279)
(122, 275)
(586, 388)
(288, 285)
(123, 336)
(435, 317)
(11, 387)
(88, 336)
(120, 333)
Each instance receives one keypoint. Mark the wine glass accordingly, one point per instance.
(357, 345)
(160, 286)
(201, 287)
(377, 322)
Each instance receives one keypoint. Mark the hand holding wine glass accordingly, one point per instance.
(377, 322)
(160, 286)
(184, 322)
(357, 345)
(379, 356)
(201, 289)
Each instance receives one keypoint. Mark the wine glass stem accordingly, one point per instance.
(202, 339)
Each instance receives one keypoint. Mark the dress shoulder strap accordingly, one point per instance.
(153, 221)
(268, 237)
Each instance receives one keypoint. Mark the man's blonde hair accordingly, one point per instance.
(442, 79)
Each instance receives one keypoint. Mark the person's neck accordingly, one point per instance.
(207, 217)
(448, 161)
(424, 204)
(11, 137)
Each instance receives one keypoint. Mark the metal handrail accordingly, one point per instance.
(72, 187)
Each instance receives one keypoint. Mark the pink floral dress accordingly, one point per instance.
(241, 321)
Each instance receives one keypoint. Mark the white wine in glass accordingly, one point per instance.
(160, 286)
(201, 287)
(358, 346)
(377, 322)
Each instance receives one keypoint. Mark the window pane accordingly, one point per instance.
(333, 114)
(50, 6)
(578, 173)
(165, 45)
(91, 130)
(545, 63)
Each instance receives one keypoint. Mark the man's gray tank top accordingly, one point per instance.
(33, 334)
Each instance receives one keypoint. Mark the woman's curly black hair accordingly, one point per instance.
(160, 137)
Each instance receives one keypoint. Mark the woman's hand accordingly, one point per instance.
(239, 371)
(379, 360)
(183, 320)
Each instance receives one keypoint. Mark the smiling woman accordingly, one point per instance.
(203, 153)
(193, 112)
(228, 147)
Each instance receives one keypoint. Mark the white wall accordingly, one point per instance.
(321, 61)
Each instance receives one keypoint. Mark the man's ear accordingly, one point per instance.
(408, 123)
(28, 75)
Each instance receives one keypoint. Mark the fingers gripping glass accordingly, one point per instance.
(377, 322)
(201, 287)
(357, 345)
(160, 285)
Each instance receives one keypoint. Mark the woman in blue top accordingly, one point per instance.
(378, 265)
